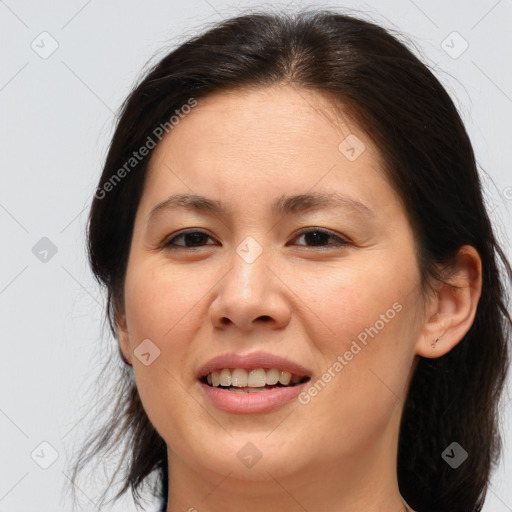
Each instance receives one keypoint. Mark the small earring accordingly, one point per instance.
(433, 344)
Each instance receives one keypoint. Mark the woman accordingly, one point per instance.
(302, 277)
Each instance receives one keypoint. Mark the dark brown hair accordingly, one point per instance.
(429, 161)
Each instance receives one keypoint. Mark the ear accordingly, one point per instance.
(450, 314)
(123, 337)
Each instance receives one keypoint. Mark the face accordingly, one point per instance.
(332, 287)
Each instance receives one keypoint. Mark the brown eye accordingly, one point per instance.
(320, 238)
(190, 238)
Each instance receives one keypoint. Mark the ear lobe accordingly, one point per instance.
(451, 313)
(123, 338)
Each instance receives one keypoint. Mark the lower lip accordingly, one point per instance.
(247, 403)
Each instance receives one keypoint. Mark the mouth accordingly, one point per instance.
(241, 380)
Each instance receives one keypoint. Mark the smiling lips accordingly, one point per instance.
(256, 371)
(251, 383)
(238, 363)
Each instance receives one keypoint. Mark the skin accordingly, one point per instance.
(338, 452)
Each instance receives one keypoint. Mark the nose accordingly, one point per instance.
(251, 294)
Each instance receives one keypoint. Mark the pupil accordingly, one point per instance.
(195, 238)
(316, 237)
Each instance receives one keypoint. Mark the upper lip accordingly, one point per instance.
(252, 361)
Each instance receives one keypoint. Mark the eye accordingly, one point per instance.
(195, 238)
(319, 237)
(314, 237)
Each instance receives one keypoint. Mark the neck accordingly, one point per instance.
(227, 493)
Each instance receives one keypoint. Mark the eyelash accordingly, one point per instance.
(341, 242)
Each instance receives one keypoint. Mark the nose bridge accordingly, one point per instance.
(249, 270)
(248, 291)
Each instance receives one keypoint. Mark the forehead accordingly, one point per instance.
(262, 128)
(251, 115)
(250, 142)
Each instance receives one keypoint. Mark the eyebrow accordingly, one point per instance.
(283, 205)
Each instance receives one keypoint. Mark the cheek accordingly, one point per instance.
(359, 298)
(162, 302)
(163, 306)
(364, 332)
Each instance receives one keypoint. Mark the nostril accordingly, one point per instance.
(265, 318)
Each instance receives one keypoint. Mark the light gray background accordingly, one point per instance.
(57, 114)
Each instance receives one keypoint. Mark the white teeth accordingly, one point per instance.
(284, 378)
(239, 378)
(256, 378)
(272, 376)
(225, 377)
